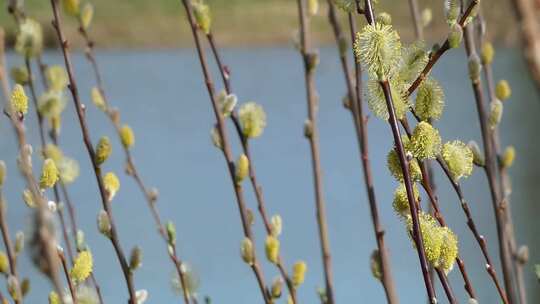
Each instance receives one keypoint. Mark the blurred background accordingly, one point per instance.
(153, 76)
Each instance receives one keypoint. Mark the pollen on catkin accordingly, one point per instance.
(19, 100)
(202, 15)
(431, 236)
(425, 142)
(4, 263)
(377, 101)
(29, 39)
(299, 273)
(449, 250)
(69, 170)
(82, 266)
(503, 91)
(272, 249)
(459, 159)
(401, 200)
(54, 298)
(111, 184)
(253, 119)
(103, 150)
(247, 251)
(452, 9)
(57, 78)
(394, 166)
(313, 7)
(127, 136)
(378, 47)
(49, 174)
(429, 100)
(413, 60)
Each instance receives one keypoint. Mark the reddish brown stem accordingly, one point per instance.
(309, 59)
(72, 288)
(128, 276)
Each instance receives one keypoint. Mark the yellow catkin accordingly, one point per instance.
(242, 168)
(272, 249)
(49, 174)
(253, 119)
(19, 100)
(82, 266)
(247, 251)
(127, 136)
(111, 184)
(299, 273)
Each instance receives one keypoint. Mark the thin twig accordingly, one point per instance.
(404, 162)
(360, 124)
(226, 149)
(91, 153)
(257, 188)
(309, 59)
(71, 286)
(12, 256)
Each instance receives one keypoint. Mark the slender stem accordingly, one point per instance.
(446, 286)
(504, 184)
(226, 147)
(257, 188)
(71, 286)
(442, 49)
(46, 241)
(354, 92)
(12, 256)
(91, 153)
(491, 173)
(309, 59)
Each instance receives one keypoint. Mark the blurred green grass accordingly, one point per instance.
(161, 23)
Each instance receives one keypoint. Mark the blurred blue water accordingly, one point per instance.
(162, 96)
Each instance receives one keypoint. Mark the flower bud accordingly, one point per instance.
(276, 225)
(272, 249)
(98, 100)
(4, 263)
(49, 174)
(82, 266)
(202, 16)
(429, 100)
(54, 298)
(478, 157)
(247, 251)
(452, 9)
(425, 142)
(104, 223)
(87, 14)
(455, 36)
(19, 242)
(80, 241)
(20, 75)
(135, 259)
(508, 157)
(19, 100)
(216, 138)
(488, 53)
(103, 150)
(3, 172)
(503, 90)
(250, 217)
(171, 233)
(71, 7)
(127, 136)
(51, 104)
(227, 103)
(57, 77)
(13, 288)
(298, 273)
(28, 198)
(308, 128)
(253, 119)
(242, 168)
(29, 39)
(277, 286)
(522, 255)
(474, 68)
(495, 113)
(25, 287)
(394, 166)
(111, 184)
(384, 18)
(313, 7)
(375, 264)
(141, 296)
(427, 17)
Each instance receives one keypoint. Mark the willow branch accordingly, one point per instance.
(440, 51)
(309, 59)
(128, 276)
(491, 173)
(132, 168)
(12, 256)
(226, 147)
(257, 188)
(71, 286)
(354, 92)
